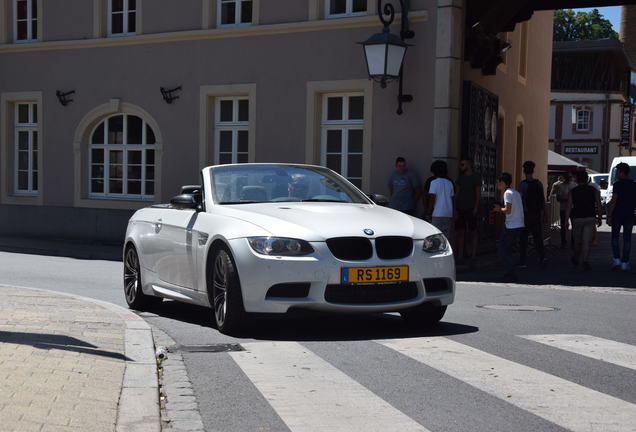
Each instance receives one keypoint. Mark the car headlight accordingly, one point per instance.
(280, 246)
(435, 243)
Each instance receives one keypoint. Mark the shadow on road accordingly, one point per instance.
(559, 270)
(313, 326)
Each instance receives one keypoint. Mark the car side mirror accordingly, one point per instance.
(185, 201)
(380, 200)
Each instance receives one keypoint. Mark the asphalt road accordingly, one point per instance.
(475, 372)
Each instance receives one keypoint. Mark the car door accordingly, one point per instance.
(175, 256)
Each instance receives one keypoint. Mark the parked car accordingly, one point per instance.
(601, 181)
(269, 238)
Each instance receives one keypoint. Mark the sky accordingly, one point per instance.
(612, 13)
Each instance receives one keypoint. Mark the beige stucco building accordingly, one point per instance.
(107, 106)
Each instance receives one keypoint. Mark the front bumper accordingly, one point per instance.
(258, 273)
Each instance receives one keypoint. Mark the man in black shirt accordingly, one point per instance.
(584, 207)
(533, 196)
(620, 214)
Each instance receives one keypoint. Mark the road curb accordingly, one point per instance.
(138, 407)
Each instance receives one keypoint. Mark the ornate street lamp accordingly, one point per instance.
(384, 52)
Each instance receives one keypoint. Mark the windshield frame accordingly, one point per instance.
(357, 196)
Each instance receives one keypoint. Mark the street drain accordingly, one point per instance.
(525, 308)
(215, 348)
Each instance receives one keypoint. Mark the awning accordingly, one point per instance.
(555, 159)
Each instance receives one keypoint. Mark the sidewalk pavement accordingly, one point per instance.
(69, 363)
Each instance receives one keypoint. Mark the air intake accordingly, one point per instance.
(350, 248)
(367, 294)
(393, 247)
(289, 290)
(436, 285)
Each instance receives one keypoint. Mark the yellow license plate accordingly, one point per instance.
(375, 274)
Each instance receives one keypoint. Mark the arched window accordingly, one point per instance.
(122, 159)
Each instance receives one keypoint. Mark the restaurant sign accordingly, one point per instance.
(592, 149)
(626, 125)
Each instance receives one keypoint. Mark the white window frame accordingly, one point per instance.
(349, 10)
(234, 126)
(31, 127)
(237, 13)
(31, 20)
(344, 125)
(125, 12)
(124, 147)
(582, 122)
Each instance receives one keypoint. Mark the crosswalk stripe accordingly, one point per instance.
(311, 395)
(609, 351)
(562, 402)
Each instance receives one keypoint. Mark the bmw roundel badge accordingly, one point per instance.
(368, 231)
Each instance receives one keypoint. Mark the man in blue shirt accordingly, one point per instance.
(404, 186)
(620, 213)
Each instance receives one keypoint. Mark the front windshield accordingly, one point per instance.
(244, 184)
(632, 174)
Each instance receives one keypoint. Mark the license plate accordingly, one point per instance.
(375, 274)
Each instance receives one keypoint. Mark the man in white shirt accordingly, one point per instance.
(440, 202)
(513, 209)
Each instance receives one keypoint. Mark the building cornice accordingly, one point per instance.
(220, 33)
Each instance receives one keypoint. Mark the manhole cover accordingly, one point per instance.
(215, 348)
(512, 307)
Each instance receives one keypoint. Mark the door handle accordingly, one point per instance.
(158, 226)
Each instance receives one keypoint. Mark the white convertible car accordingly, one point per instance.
(267, 238)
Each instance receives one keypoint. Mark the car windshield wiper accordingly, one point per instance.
(324, 200)
(241, 202)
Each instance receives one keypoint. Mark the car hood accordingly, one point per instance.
(320, 221)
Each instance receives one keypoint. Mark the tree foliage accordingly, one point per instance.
(572, 26)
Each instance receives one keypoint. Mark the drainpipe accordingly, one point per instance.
(606, 134)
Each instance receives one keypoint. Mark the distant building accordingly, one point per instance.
(590, 88)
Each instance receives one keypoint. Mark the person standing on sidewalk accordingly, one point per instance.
(584, 208)
(562, 191)
(404, 186)
(620, 214)
(467, 200)
(440, 203)
(533, 197)
(513, 209)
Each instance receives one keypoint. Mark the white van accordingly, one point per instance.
(629, 160)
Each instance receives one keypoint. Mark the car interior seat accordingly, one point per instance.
(253, 193)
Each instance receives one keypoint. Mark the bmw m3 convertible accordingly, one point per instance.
(267, 238)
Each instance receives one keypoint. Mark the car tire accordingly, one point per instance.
(135, 297)
(424, 315)
(224, 293)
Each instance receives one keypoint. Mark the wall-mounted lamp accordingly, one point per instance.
(384, 52)
(168, 94)
(64, 97)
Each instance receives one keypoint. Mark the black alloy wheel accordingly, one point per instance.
(135, 298)
(423, 316)
(225, 296)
